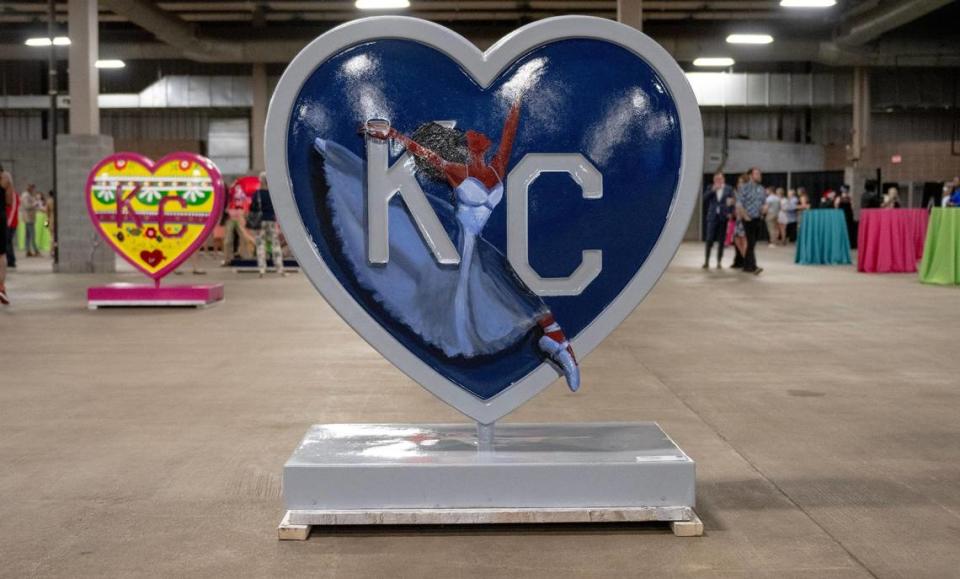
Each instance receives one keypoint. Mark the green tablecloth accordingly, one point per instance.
(941, 251)
(823, 238)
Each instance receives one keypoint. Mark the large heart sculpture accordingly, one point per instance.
(491, 199)
(155, 214)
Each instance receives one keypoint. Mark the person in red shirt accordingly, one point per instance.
(238, 204)
(13, 221)
(6, 200)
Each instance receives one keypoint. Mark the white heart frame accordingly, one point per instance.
(484, 67)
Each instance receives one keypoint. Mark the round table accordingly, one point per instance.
(941, 252)
(822, 239)
(891, 240)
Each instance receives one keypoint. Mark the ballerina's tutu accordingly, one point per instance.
(478, 308)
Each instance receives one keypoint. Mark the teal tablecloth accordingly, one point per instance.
(823, 238)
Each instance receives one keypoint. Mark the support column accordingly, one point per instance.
(855, 140)
(84, 76)
(258, 116)
(856, 173)
(80, 248)
(630, 12)
(864, 109)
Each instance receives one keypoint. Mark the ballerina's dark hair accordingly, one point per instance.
(449, 143)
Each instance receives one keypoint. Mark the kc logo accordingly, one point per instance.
(154, 215)
(484, 219)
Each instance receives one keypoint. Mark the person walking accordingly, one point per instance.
(739, 236)
(13, 221)
(718, 200)
(782, 219)
(6, 200)
(50, 211)
(30, 202)
(238, 205)
(772, 213)
(263, 207)
(751, 204)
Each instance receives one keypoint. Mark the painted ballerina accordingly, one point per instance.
(492, 308)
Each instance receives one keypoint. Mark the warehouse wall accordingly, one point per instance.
(154, 133)
(28, 162)
(770, 156)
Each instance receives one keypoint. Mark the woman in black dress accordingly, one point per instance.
(6, 198)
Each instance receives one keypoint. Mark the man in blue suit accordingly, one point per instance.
(718, 200)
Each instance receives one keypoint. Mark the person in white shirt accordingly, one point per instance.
(772, 213)
(892, 199)
(30, 202)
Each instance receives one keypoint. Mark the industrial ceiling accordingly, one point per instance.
(854, 32)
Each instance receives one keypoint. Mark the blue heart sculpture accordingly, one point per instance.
(472, 331)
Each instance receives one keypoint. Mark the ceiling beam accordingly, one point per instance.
(183, 38)
(886, 17)
(903, 53)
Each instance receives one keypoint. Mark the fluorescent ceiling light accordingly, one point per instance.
(807, 3)
(42, 41)
(110, 63)
(714, 61)
(749, 39)
(382, 4)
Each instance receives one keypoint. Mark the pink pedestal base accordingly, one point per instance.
(132, 295)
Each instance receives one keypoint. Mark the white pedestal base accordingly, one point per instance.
(398, 474)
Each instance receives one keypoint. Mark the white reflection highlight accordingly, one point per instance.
(623, 117)
(363, 79)
(369, 102)
(524, 79)
(397, 450)
(658, 125)
(358, 65)
(369, 430)
(315, 117)
(540, 109)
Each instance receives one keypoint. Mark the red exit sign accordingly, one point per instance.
(896, 159)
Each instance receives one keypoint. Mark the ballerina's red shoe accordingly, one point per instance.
(554, 343)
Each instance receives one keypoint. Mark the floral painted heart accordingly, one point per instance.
(494, 180)
(155, 214)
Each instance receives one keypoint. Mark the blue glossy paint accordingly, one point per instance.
(583, 96)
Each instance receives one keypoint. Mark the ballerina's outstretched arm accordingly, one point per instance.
(502, 157)
(455, 172)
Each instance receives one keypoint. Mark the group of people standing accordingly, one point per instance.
(738, 216)
(26, 208)
(742, 212)
(251, 221)
(951, 193)
(35, 210)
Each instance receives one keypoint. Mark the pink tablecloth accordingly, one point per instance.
(891, 240)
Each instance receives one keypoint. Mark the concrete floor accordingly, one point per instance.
(820, 404)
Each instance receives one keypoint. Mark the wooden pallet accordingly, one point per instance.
(287, 531)
(296, 525)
